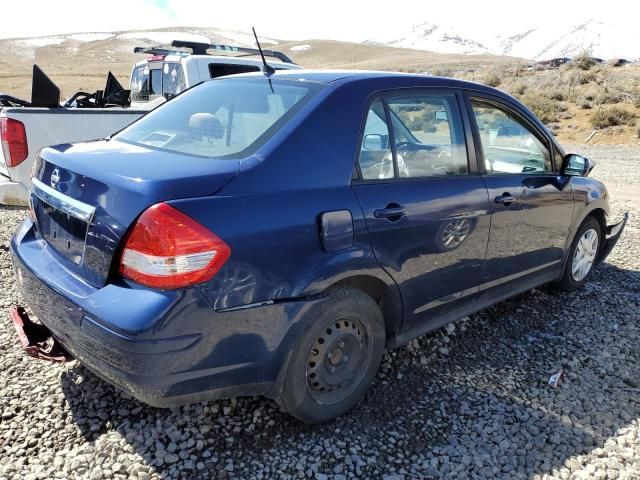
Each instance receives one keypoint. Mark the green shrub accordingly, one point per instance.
(555, 95)
(518, 88)
(612, 116)
(609, 97)
(581, 77)
(492, 79)
(585, 104)
(545, 109)
(583, 61)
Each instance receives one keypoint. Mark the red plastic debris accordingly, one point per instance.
(36, 339)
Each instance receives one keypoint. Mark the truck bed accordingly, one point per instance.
(55, 126)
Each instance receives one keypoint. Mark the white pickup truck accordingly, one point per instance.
(27, 127)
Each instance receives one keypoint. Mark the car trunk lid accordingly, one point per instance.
(85, 196)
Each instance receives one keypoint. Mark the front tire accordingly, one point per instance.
(336, 357)
(582, 255)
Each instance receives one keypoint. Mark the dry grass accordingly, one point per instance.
(84, 65)
(573, 101)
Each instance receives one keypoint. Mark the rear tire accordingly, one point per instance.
(582, 256)
(336, 357)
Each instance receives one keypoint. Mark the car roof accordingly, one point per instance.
(348, 76)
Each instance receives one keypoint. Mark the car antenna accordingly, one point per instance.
(268, 69)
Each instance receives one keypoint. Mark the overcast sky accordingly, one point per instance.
(299, 19)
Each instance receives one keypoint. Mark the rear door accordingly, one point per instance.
(531, 204)
(425, 204)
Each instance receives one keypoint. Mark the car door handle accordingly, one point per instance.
(391, 212)
(506, 199)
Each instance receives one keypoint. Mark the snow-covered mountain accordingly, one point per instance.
(70, 43)
(601, 39)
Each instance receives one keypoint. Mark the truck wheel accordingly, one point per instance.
(582, 255)
(336, 357)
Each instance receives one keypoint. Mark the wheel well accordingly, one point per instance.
(381, 294)
(599, 215)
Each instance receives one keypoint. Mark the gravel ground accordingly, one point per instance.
(469, 401)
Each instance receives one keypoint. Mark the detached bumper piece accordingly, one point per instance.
(36, 339)
(613, 234)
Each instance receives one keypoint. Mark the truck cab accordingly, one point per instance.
(167, 72)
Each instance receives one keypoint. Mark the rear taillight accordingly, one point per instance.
(168, 249)
(14, 141)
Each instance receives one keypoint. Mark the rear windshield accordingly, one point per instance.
(164, 79)
(230, 117)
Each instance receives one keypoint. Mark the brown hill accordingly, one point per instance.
(81, 61)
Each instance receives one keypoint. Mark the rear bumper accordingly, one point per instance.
(612, 236)
(13, 193)
(164, 348)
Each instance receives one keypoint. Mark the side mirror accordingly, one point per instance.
(373, 141)
(441, 115)
(576, 165)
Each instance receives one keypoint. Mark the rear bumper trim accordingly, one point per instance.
(612, 236)
(62, 202)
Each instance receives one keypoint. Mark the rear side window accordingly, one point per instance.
(423, 139)
(223, 69)
(226, 118)
(428, 135)
(172, 79)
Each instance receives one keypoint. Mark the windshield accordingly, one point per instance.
(221, 118)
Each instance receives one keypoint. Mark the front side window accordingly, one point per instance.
(428, 135)
(507, 143)
(222, 118)
(428, 140)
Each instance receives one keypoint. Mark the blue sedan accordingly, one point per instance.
(272, 235)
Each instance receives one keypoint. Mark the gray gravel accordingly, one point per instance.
(468, 401)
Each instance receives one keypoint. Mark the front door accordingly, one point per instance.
(531, 204)
(426, 207)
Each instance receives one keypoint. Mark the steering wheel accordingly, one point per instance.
(444, 153)
(384, 169)
(409, 146)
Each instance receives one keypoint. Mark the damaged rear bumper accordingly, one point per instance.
(612, 236)
(36, 339)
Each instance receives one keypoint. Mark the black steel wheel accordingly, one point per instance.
(336, 357)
